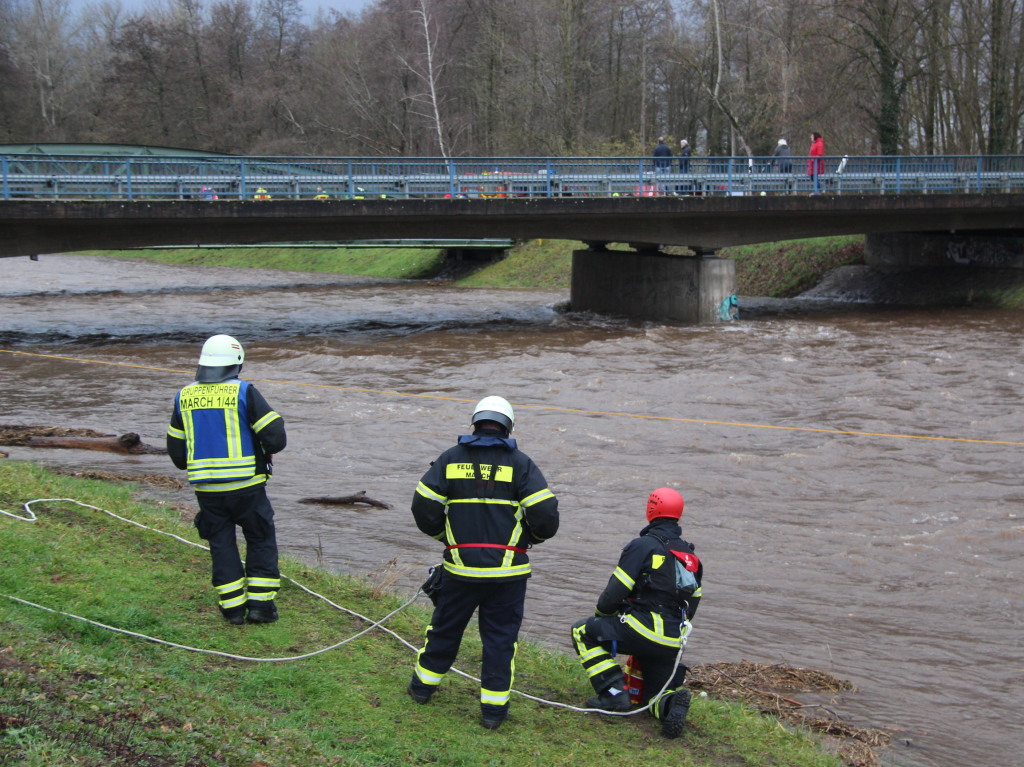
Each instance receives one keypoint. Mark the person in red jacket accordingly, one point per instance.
(816, 160)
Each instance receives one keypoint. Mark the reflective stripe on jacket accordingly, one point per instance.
(219, 426)
(488, 502)
(643, 583)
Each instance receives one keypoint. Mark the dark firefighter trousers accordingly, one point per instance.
(597, 640)
(500, 616)
(258, 580)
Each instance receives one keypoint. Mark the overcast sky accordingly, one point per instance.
(310, 6)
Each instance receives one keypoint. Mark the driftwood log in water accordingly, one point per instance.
(83, 439)
(126, 444)
(346, 500)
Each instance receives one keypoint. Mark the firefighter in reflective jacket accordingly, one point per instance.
(223, 433)
(488, 503)
(644, 612)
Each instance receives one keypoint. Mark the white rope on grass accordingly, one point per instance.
(31, 517)
(167, 643)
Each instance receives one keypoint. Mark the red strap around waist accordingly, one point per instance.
(485, 546)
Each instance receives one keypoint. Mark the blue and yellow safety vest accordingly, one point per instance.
(222, 449)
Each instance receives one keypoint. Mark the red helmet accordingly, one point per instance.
(664, 502)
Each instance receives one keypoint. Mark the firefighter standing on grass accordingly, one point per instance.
(641, 613)
(488, 503)
(223, 433)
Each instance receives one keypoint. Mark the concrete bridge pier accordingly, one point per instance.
(651, 285)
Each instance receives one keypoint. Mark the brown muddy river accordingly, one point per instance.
(890, 555)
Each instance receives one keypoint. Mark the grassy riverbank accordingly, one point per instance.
(774, 269)
(75, 694)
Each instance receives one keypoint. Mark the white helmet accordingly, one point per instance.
(494, 409)
(221, 358)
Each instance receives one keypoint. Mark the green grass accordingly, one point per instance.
(388, 263)
(534, 264)
(76, 694)
(786, 269)
(773, 269)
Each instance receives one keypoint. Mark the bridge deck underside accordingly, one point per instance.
(34, 227)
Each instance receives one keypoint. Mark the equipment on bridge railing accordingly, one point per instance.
(182, 177)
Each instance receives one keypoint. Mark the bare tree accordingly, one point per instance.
(44, 44)
(422, 77)
(885, 40)
(430, 73)
(717, 85)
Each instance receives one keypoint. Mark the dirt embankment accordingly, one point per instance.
(905, 286)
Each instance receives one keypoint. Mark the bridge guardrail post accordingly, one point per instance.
(128, 179)
(3, 172)
(242, 191)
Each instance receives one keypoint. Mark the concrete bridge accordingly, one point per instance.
(914, 229)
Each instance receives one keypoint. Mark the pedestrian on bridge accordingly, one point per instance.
(816, 160)
(685, 152)
(662, 156)
(783, 157)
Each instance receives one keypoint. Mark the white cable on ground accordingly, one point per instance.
(31, 517)
(211, 652)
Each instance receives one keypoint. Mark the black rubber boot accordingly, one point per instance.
(674, 717)
(262, 612)
(492, 717)
(608, 702)
(419, 692)
(235, 617)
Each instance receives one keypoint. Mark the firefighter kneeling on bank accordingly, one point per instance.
(645, 612)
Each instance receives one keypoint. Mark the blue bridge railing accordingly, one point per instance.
(77, 177)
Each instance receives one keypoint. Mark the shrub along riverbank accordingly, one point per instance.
(72, 693)
(775, 269)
